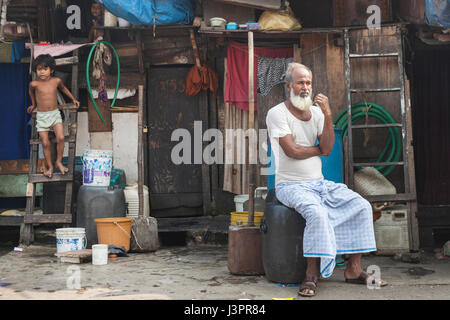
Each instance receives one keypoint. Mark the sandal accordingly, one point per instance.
(364, 279)
(309, 283)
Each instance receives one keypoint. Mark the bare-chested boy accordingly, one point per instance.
(43, 93)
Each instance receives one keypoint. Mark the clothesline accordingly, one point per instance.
(54, 50)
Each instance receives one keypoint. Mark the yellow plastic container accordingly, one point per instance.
(241, 218)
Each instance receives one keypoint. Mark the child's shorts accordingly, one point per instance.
(46, 120)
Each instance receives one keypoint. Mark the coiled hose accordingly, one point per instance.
(88, 82)
(359, 112)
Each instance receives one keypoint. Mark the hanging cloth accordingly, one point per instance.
(271, 71)
(236, 90)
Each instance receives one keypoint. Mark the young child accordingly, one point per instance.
(43, 93)
(97, 15)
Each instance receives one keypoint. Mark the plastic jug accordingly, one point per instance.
(95, 203)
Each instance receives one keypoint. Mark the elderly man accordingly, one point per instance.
(338, 220)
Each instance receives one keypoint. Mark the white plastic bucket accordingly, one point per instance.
(97, 165)
(100, 254)
(132, 199)
(239, 201)
(70, 239)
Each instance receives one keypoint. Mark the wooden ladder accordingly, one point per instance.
(409, 195)
(26, 229)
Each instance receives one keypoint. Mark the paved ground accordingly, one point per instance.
(197, 272)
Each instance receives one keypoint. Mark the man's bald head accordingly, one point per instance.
(293, 66)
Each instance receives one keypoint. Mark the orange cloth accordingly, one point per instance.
(204, 78)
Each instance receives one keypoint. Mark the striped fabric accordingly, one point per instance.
(338, 220)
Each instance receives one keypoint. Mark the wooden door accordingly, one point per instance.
(175, 190)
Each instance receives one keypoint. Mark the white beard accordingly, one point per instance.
(302, 104)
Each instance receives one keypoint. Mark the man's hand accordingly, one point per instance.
(30, 109)
(76, 103)
(323, 103)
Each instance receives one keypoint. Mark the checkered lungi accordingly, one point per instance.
(338, 220)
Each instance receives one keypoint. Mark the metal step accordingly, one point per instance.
(48, 218)
(391, 197)
(56, 177)
(375, 90)
(373, 55)
(381, 125)
(375, 164)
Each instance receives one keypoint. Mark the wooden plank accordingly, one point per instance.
(251, 125)
(20, 166)
(95, 124)
(297, 53)
(30, 189)
(77, 256)
(169, 56)
(350, 13)
(413, 224)
(335, 74)
(75, 253)
(228, 11)
(26, 230)
(140, 152)
(66, 61)
(314, 55)
(206, 174)
(259, 4)
(66, 140)
(10, 221)
(125, 109)
(36, 178)
(47, 218)
(127, 52)
(69, 184)
(166, 42)
(128, 80)
(139, 51)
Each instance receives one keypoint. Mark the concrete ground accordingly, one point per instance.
(199, 272)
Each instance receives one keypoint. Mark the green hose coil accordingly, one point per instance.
(88, 82)
(359, 111)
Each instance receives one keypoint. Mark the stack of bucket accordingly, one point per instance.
(97, 167)
(99, 203)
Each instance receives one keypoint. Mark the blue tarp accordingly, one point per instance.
(142, 12)
(14, 119)
(437, 13)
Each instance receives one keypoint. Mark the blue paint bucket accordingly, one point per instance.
(97, 166)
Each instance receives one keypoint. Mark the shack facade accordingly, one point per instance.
(399, 65)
